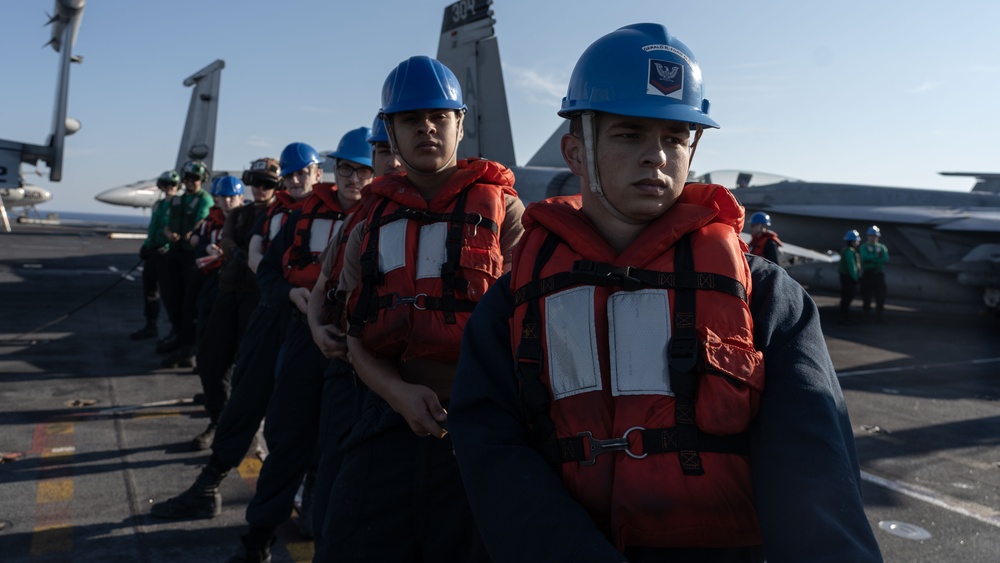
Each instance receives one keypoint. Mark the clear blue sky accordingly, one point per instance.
(852, 91)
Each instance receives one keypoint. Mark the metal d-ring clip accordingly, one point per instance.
(597, 447)
(627, 450)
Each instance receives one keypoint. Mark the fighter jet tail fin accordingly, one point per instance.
(550, 154)
(988, 182)
(468, 46)
(65, 25)
(198, 139)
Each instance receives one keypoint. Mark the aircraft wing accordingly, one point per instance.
(800, 252)
(940, 218)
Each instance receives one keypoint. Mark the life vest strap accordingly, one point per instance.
(584, 448)
(367, 306)
(423, 216)
(423, 302)
(300, 255)
(682, 357)
(588, 272)
(533, 393)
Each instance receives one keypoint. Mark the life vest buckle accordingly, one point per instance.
(624, 277)
(597, 447)
(416, 301)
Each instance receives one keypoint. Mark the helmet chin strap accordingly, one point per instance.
(590, 146)
(698, 130)
(394, 147)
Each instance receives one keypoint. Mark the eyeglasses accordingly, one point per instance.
(363, 172)
(166, 185)
(191, 177)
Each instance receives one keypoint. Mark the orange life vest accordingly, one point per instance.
(332, 311)
(638, 370)
(425, 264)
(758, 243)
(320, 219)
(210, 232)
(277, 214)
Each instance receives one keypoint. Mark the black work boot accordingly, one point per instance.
(255, 548)
(167, 344)
(183, 357)
(203, 441)
(148, 331)
(201, 500)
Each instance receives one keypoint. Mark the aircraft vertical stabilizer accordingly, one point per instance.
(198, 139)
(986, 182)
(550, 154)
(468, 46)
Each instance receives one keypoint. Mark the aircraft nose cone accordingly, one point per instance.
(115, 196)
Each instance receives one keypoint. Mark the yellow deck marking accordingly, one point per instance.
(55, 490)
(53, 531)
(301, 551)
(54, 428)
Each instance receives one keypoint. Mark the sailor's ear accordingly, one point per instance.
(573, 153)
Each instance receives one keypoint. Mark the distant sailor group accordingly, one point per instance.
(611, 376)
(864, 265)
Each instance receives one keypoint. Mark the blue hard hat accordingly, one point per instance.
(421, 83)
(227, 186)
(874, 230)
(354, 147)
(639, 70)
(379, 134)
(297, 156)
(852, 236)
(760, 218)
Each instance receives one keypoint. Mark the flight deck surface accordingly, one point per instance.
(93, 430)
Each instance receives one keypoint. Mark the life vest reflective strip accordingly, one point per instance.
(640, 383)
(426, 264)
(758, 244)
(319, 221)
(277, 213)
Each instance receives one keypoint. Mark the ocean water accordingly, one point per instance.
(135, 220)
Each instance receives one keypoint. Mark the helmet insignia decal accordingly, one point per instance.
(665, 79)
(670, 49)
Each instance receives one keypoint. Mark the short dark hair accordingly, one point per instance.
(576, 125)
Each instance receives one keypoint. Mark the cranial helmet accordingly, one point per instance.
(354, 147)
(760, 218)
(421, 83)
(197, 168)
(874, 230)
(639, 70)
(168, 178)
(297, 156)
(852, 236)
(379, 134)
(227, 186)
(263, 172)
